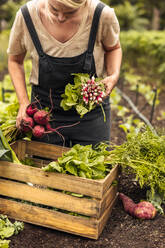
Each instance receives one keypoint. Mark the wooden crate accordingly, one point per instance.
(34, 204)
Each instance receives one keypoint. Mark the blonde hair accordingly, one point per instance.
(69, 3)
(72, 3)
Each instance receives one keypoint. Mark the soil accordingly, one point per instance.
(121, 230)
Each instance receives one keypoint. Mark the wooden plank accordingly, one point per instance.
(59, 181)
(21, 149)
(14, 146)
(104, 218)
(84, 206)
(48, 218)
(107, 199)
(44, 150)
(113, 175)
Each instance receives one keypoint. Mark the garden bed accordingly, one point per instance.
(121, 229)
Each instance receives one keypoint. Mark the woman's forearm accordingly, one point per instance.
(17, 74)
(113, 62)
(113, 58)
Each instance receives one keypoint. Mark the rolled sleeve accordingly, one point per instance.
(16, 44)
(111, 28)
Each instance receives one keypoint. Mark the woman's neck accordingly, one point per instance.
(60, 31)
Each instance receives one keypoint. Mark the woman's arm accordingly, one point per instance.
(113, 58)
(17, 74)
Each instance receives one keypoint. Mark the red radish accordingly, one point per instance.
(38, 131)
(49, 128)
(41, 117)
(92, 91)
(145, 210)
(128, 203)
(142, 210)
(31, 109)
(27, 124)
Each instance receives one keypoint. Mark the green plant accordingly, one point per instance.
(143, 154)
(6, 152)
(6, 88)
(8, 229)
(144, 56)
(4, 37)
(9, 9)
(131, 16)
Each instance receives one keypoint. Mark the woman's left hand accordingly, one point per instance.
(109, 82)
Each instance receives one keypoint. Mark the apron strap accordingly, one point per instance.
(32, 30)
(92, 36)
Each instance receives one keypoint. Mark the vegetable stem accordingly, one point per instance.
(103, 112)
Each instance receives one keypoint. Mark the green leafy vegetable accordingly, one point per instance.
(156, 199)
(83, 161)
(7, 229)
(6, 152)
(8, 113)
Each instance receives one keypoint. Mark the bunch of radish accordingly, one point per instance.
(142, 210)
(38, 122)
(92, 91)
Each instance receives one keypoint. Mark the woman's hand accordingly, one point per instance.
(21, 114)
(109, 83)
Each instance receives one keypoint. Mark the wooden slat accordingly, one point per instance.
(107, 199)
(48, 218)
(107, 181)
(84, 206)
(59, 181)
(44, 150)
(104, 218)
(14, 146)
(21, 150)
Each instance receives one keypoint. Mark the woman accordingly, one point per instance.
(65, 37)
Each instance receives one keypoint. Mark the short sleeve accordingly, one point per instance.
(110, 27)
(16, 44)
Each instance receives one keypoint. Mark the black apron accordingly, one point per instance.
(54, 74)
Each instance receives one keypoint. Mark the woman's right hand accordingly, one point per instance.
(21, 114)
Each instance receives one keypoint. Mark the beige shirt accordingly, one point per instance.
(107, 34)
